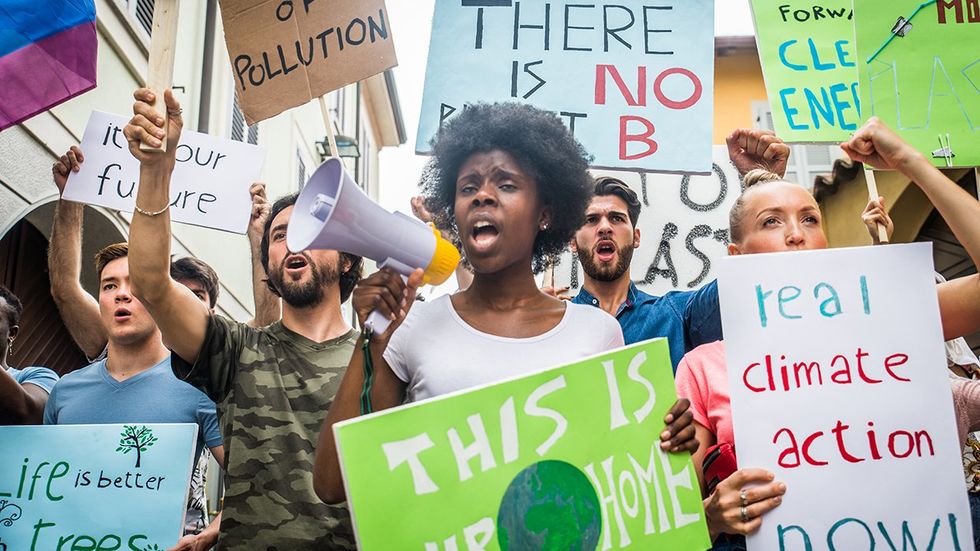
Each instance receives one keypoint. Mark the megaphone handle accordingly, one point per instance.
(376, 321)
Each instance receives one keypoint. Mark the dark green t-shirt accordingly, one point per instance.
(273, 388)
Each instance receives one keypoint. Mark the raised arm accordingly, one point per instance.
(79, 310)
(749, 149)
(386, 292)
(877, 145)
(268, 306)
(181, 317)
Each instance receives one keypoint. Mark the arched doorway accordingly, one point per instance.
(43, 338)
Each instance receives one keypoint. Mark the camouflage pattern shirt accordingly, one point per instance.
(273, 388)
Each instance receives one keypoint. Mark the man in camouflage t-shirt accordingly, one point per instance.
(273, 385)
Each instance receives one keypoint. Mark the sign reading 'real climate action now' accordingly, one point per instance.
(920, 73)
(94, 486)
(285, 53)
(209, 186)
(567, 458)
(634, 81)
(838, 381)
(809, 59)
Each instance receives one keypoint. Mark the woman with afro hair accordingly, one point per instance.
(511, 184)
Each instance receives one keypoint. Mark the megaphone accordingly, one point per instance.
(333, 212)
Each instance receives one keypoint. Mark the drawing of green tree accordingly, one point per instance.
(138, 439)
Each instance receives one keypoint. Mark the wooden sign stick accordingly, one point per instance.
(163, 43)
(329, 124)
(869, 177)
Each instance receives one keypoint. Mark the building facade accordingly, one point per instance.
(295, 144)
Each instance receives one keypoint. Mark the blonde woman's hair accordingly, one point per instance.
(755, 177)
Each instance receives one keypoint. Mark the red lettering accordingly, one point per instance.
(838, 431)
(846, 370)
(806, 449)
(861, 355)
(872, 443)
(900, 359)
(745, 379)
(793, 450)
(640, 100)
(943, 5)
(625, 137)
(667, 102)
(891, 443)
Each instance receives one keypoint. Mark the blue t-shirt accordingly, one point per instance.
(90, 396)
(40, 376)
(687, 318)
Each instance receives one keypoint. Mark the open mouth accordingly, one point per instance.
(295, 262)
(121, 314)
(605, 250)
(484, 232)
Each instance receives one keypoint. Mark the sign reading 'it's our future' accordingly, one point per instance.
(634, 81)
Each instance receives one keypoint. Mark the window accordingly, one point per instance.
(142, 11)
(239, 131)
(300, 170)
(806, 162)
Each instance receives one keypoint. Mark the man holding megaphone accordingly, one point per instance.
(274, 384)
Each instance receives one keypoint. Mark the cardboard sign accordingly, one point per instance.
(925, 84)
(809, 59)
(839, 385)
(95, 486)
(285, 53)
(634, 83)
(568, 458)
(683, 228)
(209, 186)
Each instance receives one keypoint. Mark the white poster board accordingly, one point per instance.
(209, 186)
(859, 424)
(683, 228)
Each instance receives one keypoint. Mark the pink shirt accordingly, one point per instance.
(702, 378)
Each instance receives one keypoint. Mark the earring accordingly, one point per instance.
(544, 227)
(10, 347)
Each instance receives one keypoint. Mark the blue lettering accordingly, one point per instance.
(841, 105)
(819, 108)
(816, 58)
(790, 111)
(784, 299)
(782, 56)
(842, 522)
(807, 546)
(833, 298)
(864, 295)
(842, 55)
(761, 297)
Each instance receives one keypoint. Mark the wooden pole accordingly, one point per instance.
(869, 177)
(328, 122)
(163, 43)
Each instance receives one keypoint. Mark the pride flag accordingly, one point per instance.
(48, 54)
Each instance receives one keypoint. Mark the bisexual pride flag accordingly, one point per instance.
(47, 55)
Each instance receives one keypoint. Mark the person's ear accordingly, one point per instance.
(636, 238)
(544, 221)
(12, 333)
(733, 250)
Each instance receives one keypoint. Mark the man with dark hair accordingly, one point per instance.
(23, 392)
(275, 384)
(199, 277)
(605, 244)
(135, 382)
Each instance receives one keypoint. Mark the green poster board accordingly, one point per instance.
(567, 458)
(810, 65)
(926, 84)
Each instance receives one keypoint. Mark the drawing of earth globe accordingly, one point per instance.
(549, 505)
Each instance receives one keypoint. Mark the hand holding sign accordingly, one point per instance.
(150, 126)
(877, 145)
(70, 162)
(736, 508)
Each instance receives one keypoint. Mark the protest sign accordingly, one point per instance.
(809, 60)
(634, 83)
(838, 381)
(568, 458)
(683, 228)
(95, 486)
(285, 53)
(209, 186)
(924, 81)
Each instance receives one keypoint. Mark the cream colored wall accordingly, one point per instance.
(738, 82)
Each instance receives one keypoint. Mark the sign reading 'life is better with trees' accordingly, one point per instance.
(94, 486)
(839, 385)
(634, 81)
(568, 458)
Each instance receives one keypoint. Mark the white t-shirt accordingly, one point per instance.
(435, 352)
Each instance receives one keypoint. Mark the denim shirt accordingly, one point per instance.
(687, 318)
